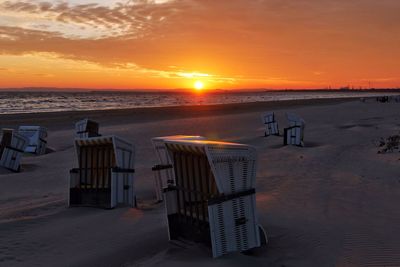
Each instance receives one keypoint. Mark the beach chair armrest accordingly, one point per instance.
(224, 198)
(293, 127)
(44, 141)
(160, 167)
(15, 149)
(74, 170)
(170, 188)
(122, 170)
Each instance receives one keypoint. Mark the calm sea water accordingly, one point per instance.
(33, 102)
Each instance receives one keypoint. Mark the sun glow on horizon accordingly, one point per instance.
(198, 85)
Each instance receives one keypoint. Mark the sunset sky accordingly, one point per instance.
(230, 44)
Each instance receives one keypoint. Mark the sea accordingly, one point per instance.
(14, 102)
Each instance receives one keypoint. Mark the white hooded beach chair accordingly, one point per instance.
(12, 147)
(104, 177)
(164, 169)
(294, 134)
(213, 199)
(271, 125)
(37, 138)
(87, 128)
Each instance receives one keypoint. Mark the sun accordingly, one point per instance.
(198, 85)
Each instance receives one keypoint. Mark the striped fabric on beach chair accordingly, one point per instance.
(86, 128)
(271, 125)
(213, 199)
(104, 177)
(164, 170)
(294, 134)
(12, 148)
(37, 138)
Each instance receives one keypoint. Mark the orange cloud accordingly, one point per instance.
(237, 43)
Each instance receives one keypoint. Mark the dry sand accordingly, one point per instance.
(334, 202)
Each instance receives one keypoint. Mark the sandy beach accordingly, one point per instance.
(333, 202)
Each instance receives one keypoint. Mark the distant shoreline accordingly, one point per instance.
(49, 102)
(65, 119)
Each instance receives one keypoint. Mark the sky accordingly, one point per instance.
(225, 44)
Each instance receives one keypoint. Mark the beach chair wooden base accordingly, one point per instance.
(271, 129)
(181, 227)
(293, 136)
(119, 191)
(90, 197)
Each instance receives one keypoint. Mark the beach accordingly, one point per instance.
(333, 202)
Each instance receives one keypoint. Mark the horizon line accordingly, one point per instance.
(78, 89)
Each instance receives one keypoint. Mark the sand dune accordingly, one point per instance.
(333, 202)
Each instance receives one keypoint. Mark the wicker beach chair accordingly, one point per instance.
(86, 128)
(164, 170)
(37, 138)
(12, 148)
(213, 199)
(271, 125)
(104, 177)
(294, 134)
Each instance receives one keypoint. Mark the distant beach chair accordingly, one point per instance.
(164, 169)
(87, 128)
(271, 125)
(12, 148)
(383, 99)
(294, 134)
(213, 199)
(105, 174)
(37, 138)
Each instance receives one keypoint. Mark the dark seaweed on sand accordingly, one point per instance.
(390, 144)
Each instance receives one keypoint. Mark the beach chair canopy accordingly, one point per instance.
(159, 145)
(220, 156)
(12, 148)
(87, 128)
(105, 173)
(294, 120)
(271, 125)
(121, 156)
(268, 117)
(37, 138)
(213, 199)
